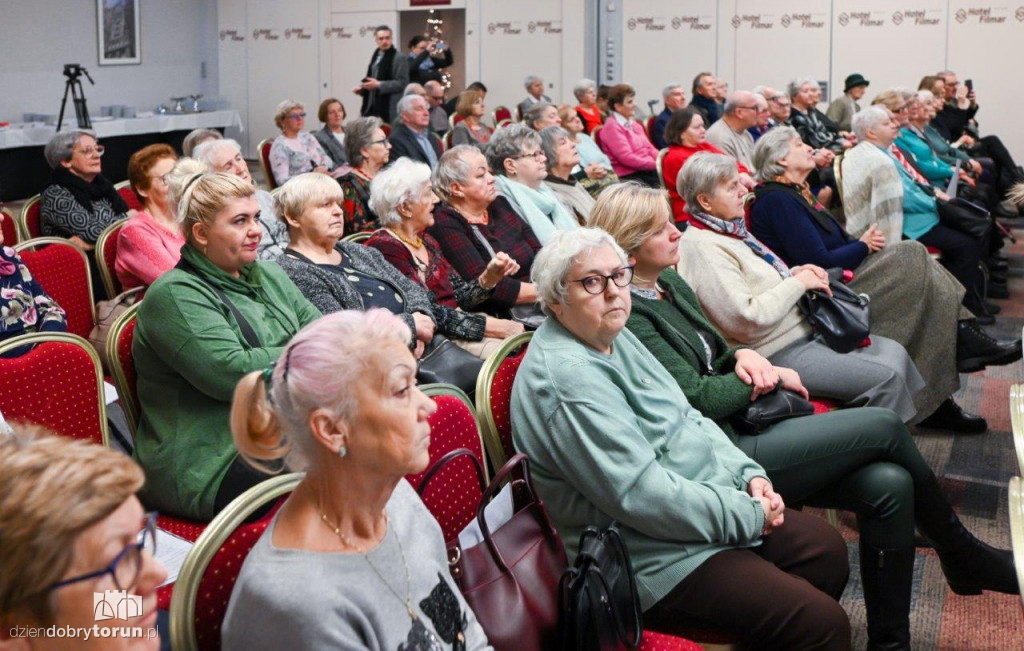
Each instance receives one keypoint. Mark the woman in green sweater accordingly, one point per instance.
(203, 325)
(863, 460)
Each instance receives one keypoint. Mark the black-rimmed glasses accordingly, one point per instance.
(597, 284)
(127, 564)
(382, 141)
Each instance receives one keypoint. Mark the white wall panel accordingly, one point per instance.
(233, 60)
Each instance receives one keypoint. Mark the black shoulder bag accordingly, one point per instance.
(842, 320)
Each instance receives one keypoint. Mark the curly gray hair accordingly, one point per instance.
(452, 167)
(509, 142)
(560, 252)
(400, 182)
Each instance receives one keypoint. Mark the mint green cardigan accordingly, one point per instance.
(189, 354)
(613, 437)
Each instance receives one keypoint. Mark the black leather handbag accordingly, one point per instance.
(443, 361)
(597, 596)
(771, 408)
(965, 216)
(842, 320)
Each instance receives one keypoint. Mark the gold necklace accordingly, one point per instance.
(418, 244)
(482, 220)
(366, 555)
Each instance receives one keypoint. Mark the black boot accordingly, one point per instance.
(970, 565)
(887, 575)
(976, 349)
(951, 416)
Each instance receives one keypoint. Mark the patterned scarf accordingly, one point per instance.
(738, 229)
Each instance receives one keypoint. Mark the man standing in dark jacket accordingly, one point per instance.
(386, 78)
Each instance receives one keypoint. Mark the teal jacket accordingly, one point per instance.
(945, 151)
(919, 212)
(189, 355)
(666, 329)
(934, 169)
(613, 437)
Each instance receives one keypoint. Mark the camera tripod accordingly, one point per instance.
(73, 72)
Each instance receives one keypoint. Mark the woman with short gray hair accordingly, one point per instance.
(296, 151)
(611, 436)
(534, 86)
(520, 167)
(368, 151)
(590, 113)
(816, 129)
(560, 150)
(542, 115)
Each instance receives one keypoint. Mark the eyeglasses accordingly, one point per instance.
(126, 565)
(537, 155)
(98, 150)
(296, 116)
(902, 109)
(597, 284)
(382, 141)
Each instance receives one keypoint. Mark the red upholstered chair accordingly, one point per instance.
(58, 384)
(447, 140)
(63, 271)
(494, 397)
(452, 497)
(124, 188)
(649, 128)
(122, 365)
(440, 141)
(661, 642)
(264, 151)
(28, 221)
(9, 228)
(596, 135)
(662, 153)
(204, 585)
(386, 128)
(500, 114)
(106, 256)
(503, 123)
(453, 120)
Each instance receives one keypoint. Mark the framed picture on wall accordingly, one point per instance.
(118, 34)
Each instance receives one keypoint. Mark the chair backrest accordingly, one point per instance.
(106, 256)
(837, 169)
(122, 364)
(447, 140)
(662, 153)
(453, 497)
(649, 127)
(503, 123)
(494, 396)
(9, 227)
(361, 236)
(440, 141)
(1017, 527)
(1017, 423)
(63, 271)
(124, 188)
(208, 575)
(596, 135)
(386, 128)
(264, 152)
(31, 215)
(454, 119)
(57, 384)
(500, 114)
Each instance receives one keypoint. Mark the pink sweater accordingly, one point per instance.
(145, 250)
(629, 149)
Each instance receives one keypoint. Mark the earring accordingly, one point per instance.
(342, 451)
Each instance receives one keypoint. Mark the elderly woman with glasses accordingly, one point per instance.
(71, 527)
(562, 159)
(368, 151)
(403, 197)
(150, 243)
(343, 406)
(520, 167)
(296, 151)
(611, 436)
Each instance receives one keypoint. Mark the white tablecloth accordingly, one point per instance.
(37, 136)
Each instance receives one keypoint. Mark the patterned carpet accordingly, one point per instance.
(974, 470)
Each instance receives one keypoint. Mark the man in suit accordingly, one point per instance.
(675, 99)
(703, 99)
(412, 138)
(386, 77)
(427, 58)
(535, 93)
(842, 109)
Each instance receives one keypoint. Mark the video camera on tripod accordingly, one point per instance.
(74, 71)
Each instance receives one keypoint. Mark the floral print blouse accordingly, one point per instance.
(25, 306)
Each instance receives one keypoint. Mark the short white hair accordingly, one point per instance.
(405, 104)
(667, 90)
(303, 190)
(530, 80)
(582, 86)
(701, 174)
(207, 150)
(399, 182)
(868, 118)
(772, 147)
(560, 252)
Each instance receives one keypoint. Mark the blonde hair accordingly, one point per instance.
(318, 369)
(303, 190)
(202, 196)
(631, 213)
(890, 99)
(52, 489)
(183, 170)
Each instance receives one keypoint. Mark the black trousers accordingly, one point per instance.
(960, 255)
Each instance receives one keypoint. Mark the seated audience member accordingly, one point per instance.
(541, 116)
(940, 335)
(610, 436)
(779, 106)
(70, 528)
(764, 118)
(842, 109)
(149, 244)
(344, 407)
(878, 190)
(960, 107)
(197, 137)
(25, 307)
(625, 140)
(435, 99)
(562, 159)
(949, 152)
(473, 223)
(471, 130)
(403, 197)
(412, 139)
(411, 89)
(912, 142)
(534, 93)
(336, 275)
(449, 106)
(730, 134)
(602, 101)
(225, 156)
(590, 114)
(751, 296)
(703, 99)
(191, 347)
(596, 167)
(674, 99)
(854, 448)
(520, 167)
(427, 58)
(685, 135)
(295, 151)
(368, 151)
(332, 137)
(816, 129)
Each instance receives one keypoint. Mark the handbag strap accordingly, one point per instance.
(445, 460)
(247, 330)
(483, 240)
